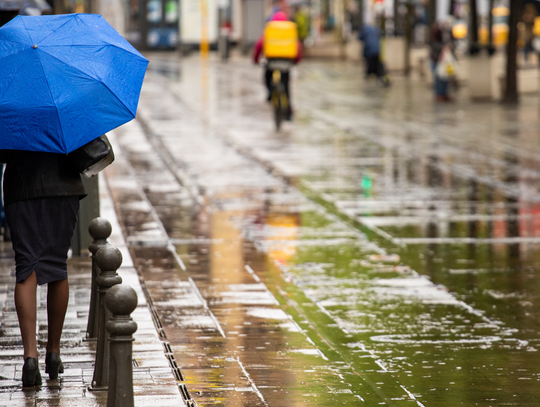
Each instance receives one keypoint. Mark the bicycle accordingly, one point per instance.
(278, 95)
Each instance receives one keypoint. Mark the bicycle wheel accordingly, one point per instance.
(285, 108)
(278, 112)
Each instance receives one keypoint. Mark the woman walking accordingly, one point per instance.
(41, 199)
(436, 45)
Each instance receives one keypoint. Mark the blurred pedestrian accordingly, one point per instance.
(41, 195)
(529, 16)
(371, 37)
(437, 43)
(301, 18)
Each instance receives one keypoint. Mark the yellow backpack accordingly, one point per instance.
(280, 40)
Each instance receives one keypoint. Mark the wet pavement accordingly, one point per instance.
(379, 250)
(153, 379)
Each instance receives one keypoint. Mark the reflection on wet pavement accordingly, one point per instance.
(376, 251)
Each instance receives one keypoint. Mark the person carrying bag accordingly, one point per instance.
(41, 195)
(447, 65)
(443, 63)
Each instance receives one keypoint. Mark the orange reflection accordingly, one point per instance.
(283, 229)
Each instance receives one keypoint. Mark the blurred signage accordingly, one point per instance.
(162, 23)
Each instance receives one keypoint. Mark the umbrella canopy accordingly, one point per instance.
(65, 80)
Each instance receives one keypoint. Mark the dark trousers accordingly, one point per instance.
(440, 86)
(374, 66)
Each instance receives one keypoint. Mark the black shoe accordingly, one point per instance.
(53, 365)
(30, 375)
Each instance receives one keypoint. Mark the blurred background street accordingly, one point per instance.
(380, 248)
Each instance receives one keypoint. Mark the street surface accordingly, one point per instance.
(379, 250)
(154, 382)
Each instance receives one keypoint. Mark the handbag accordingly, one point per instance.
(446, 66)
(93, 157)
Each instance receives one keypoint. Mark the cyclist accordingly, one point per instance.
(258, 50)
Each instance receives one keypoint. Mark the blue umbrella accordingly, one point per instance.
(65, 80)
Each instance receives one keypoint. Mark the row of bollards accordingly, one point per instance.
(109, 321)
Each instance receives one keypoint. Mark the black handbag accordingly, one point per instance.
(93, 157)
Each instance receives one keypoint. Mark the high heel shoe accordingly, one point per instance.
(30, 375)
(53, 365)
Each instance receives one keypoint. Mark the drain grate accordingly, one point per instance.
(184, 391)
(167, 159)
(153, 312)
(172, 362)
(167, 347)
(157, 322)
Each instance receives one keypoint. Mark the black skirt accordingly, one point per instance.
(41, 233)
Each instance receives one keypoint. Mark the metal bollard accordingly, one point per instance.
(121, 300)
(100, 229)
(108, 259)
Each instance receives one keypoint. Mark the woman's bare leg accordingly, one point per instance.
(25, 303)
(57, 302)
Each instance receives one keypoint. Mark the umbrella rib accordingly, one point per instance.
(90, 76)
(54, 103)
(13, 80)
(26, 32)
(15, 42)
(52, 32)
(44, 49)
(128, 51)
(71, 66)
(117, 98)
(105, 44)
